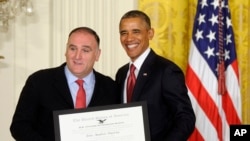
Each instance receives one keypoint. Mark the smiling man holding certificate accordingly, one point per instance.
(55, 89)
(154, 79)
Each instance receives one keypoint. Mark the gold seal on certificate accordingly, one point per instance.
(121, 122)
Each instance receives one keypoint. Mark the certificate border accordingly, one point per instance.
(142, 104)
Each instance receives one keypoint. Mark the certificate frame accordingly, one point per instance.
(115, 122)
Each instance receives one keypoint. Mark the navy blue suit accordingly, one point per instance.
(161, 84)
(46, 91)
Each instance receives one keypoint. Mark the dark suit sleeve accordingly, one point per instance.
(175, 94)
(25, 115)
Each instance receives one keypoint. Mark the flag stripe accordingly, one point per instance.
(234, 65)
(196, 136)
(205, 128)
(230, 100)
(233, 88)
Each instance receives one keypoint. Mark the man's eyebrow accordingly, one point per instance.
(123, 31)
(86, 46)
(71, 44)
(136, 30)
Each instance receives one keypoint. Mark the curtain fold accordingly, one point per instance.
(173, 24)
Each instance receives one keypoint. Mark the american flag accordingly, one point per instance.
(212, 74)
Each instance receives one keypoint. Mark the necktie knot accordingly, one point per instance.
(132, 68)
(79, 82)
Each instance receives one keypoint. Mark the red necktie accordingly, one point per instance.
(81, 95)
(130, 83)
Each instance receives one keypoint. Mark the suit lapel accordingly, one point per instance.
(123, 76)
(62, 86)
(121, 80)
(143, 75)
(95, 97)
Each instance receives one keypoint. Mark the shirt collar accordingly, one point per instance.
(138, 62)
(71, 78)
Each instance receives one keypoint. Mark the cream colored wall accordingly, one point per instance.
(38, 42)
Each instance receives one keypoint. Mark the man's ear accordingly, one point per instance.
(98, 53)
(151, 33)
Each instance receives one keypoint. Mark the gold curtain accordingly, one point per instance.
(173, 24)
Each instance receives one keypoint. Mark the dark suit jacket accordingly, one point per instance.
(161, 84)
(46, 91)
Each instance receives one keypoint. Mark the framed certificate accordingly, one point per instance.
(120, 122)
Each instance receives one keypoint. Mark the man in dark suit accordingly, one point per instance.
(55, 89)
(159, 82)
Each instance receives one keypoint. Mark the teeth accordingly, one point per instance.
(132, 46)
